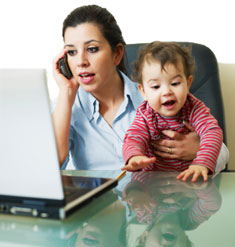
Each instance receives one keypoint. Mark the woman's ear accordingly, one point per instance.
(189, 81)
(119, 51)
(141, 89)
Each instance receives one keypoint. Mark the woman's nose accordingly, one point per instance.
(82, 60)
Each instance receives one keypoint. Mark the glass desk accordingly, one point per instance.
(145, 209)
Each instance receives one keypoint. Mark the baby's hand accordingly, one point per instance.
(138, 162)
(141, 200)
(195, 171)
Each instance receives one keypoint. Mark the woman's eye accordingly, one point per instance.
(71, 52)
(175, 83)
(93, 49)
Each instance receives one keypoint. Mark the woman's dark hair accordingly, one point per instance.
(104, 19)
(164, 52)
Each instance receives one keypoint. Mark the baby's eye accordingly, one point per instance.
(155, 86)
(72, 52)
(176, 83)
(93, 49)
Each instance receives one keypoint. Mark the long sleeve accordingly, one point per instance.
(211, 136)
(207, 204)
(137, 138)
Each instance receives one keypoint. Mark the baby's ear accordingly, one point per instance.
(141, 89)
(189, 81)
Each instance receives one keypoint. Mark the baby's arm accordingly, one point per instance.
(137, 137)
(138, 162)
(211, 136)
(195, 171)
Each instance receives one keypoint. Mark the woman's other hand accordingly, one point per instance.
(180, 147)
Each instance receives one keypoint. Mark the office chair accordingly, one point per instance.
(206, 83)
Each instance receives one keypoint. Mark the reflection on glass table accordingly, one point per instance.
(87, 227)
(145, 209)
(169, 207)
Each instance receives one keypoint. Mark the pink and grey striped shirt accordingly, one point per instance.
(148, 126)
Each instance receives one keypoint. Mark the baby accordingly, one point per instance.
(164, 72)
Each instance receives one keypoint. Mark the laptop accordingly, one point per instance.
(30, 180)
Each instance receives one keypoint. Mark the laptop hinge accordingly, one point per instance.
(32, 202)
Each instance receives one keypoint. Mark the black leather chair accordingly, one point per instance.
(206, 83)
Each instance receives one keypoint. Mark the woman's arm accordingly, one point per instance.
(222, 160)
(63, 110)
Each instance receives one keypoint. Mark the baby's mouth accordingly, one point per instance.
(169, 103)
(170, 237)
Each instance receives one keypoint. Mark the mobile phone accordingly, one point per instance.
(64, 67)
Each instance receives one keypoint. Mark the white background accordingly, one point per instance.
(31, 30)
(30, 37)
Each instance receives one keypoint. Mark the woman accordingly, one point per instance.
(97, 105)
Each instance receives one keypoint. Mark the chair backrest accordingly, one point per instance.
(206, 83)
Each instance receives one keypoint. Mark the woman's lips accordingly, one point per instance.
(86, 78)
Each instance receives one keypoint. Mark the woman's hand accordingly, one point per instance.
(180, 147)
(63, 83)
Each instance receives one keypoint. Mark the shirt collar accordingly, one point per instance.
(91, 105)
(131, 90)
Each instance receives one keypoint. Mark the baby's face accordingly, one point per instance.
(165, 90)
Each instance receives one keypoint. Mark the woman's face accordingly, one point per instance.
(90, 57)
(90, 236)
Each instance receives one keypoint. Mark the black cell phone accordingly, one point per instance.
(64, 67)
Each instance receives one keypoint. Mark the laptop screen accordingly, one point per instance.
(29, 162)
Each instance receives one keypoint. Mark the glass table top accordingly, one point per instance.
(145, 209)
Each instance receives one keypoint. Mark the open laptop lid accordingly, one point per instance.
(28, 155)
